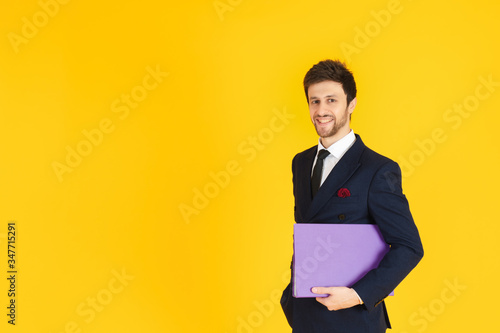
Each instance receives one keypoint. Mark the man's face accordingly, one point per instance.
(329, 111)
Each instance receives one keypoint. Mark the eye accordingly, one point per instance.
(314, 101)
(331, 100)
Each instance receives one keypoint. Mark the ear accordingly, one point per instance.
(352, 105)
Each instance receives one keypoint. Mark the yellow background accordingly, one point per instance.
(232, 66)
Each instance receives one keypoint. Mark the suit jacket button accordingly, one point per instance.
(341, 217)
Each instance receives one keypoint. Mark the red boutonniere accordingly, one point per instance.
(343, 193)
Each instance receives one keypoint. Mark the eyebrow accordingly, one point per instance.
(314, 97)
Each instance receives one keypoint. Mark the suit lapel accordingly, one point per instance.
(304, 180)
(342, 171)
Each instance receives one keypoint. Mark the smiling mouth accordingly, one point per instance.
(324, 120)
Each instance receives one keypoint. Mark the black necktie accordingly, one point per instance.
(318, 171)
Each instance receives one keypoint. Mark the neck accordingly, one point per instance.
(328, 141)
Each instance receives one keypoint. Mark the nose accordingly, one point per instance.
(323, 110)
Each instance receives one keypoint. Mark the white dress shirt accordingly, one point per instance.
(337, 150)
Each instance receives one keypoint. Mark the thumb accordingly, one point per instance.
(320, 290)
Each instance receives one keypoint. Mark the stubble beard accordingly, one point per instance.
(325, 133)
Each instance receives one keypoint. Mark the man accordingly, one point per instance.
(371, 194)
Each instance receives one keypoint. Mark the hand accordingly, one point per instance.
(339, 297)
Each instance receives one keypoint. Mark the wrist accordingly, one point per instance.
(359, 298)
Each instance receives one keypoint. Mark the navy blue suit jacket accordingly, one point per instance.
(374, 182)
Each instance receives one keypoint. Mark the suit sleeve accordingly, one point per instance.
(389, 209)
(294, 178)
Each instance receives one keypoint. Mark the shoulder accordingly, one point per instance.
(373, 159)
(303, 159)
(385, 173)
(306, 154)
(308, 151)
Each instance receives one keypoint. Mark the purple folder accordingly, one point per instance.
(334, 255)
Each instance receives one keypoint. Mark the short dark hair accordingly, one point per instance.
(331, 70)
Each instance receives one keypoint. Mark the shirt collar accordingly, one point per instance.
(339, 148)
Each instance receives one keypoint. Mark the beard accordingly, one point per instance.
(338, 124)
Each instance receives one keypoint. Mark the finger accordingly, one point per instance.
(319, 290)
(321, 300)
